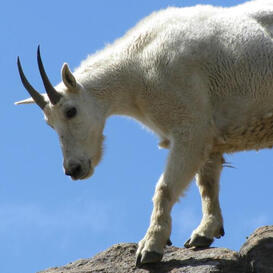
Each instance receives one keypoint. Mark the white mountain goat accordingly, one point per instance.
(201, 78)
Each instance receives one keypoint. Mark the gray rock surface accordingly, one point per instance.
(255, 256)
(257, 251)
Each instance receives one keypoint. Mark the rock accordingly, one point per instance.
(257, 251)
(255, 256)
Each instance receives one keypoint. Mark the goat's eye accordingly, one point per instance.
(71, 112)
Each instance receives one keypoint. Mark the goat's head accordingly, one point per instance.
(77, 119)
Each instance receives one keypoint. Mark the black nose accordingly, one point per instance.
(74, 170)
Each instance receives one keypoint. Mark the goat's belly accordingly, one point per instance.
(257, 134)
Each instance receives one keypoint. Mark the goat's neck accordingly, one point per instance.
(118, 90)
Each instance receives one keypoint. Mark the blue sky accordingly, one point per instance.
(48, 220)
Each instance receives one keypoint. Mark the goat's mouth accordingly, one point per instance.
(85, 175)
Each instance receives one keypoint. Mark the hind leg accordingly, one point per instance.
(211, 225)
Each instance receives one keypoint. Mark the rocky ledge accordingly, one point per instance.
(255, 256)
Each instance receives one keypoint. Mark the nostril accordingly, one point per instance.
(74, 171)
(67, 172)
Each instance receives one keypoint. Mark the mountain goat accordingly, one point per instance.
(200, 77)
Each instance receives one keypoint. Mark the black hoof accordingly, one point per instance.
(222, 231)
(187, 244)
(138, 260)
(148, 257)
(199, 241)
(169, 242)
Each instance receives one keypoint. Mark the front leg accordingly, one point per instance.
(186, 157)
(150, 248)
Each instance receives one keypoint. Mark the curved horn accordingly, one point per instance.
(37, 97)
(53, 95)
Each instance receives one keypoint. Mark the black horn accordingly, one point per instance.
(53, 95)
(37, 97)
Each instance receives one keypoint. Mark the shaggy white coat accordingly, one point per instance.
(201, 78)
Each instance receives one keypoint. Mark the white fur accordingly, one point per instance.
(201, 78)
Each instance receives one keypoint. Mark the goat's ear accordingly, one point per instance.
(31, 100)
(26, 101)
(68, 78)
